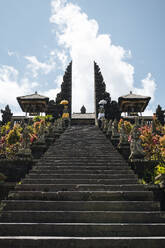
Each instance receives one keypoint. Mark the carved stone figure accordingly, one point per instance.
(115, 129)
(123, 136)
(105, 127)
(109, 130)
(137, 152)
(102, 123)
(25, 151)
(83, 110)
(25, 137)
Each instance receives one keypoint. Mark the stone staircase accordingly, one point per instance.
(81, 194)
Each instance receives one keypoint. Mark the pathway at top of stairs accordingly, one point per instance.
(81, 194)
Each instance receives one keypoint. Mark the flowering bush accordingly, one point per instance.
(12, 137)
(153, 142)
(128, 126)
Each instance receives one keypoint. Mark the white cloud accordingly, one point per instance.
(52, 53)
(149, 87)
(79, 36)
(58, 81)
(63, 58)
(148, 112)
(35, 66)
(12, 87)
(52, 93)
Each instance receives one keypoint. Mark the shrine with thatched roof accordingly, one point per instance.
(33, 104)
(133, 104)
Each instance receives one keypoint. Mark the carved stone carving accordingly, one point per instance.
(137, 152)
(109, 130)
(123, 136)
(105, 127)
(115, 133)
(83, 110)
(25, 151)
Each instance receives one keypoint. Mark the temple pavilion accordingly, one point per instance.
(133, 104)
(33, 104)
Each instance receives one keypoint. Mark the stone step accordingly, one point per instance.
(85, 156)
(83, 167)
(80, 163)
(79, 187)
(72, 180)
(102, 156)
(81, 176)
(81, 242)
(81, 205)
(82, 216)
(76, 160)
(110, 152)
(65, 170)
(83, 195)
(83, 229)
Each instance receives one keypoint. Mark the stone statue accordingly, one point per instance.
(83, 110)
(109, 130)
(115, 129)
(25, 151)
(25, 137)
(137, 152)
(123, 136)
(102, 123)
(42, 130)
(105, 127)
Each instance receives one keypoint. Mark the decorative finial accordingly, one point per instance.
(36, 92)
(131, 92)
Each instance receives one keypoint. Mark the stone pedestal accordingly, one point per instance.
(144, 169)
(24, 154)
(109, 134)
(38, 149)
(115, 140)
(124, 150)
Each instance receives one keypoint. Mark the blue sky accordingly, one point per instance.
(39, 38)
